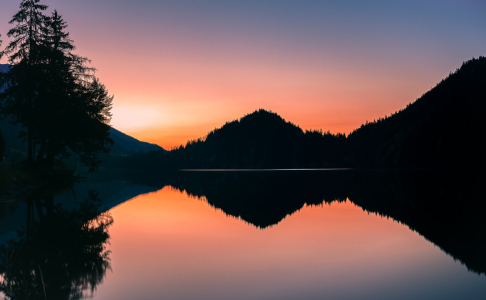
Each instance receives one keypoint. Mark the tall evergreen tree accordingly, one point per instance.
(63, 72)
(74, 105)
(22, 80)
(72, 108)
(89, 132)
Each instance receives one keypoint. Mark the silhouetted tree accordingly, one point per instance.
(57, 83)
(72, 108)
(88, 128)
(23, 78)
(74, 105)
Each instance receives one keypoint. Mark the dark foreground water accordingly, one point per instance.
(337, 234)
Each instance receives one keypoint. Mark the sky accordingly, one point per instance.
(179, 69)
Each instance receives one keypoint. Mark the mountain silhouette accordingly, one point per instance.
(129, 145)
(261, 139)
(445, 128)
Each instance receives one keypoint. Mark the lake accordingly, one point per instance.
(307, 234)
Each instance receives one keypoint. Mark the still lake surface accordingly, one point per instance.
(335, 234)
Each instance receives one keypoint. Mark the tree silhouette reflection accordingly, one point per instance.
(59, 254)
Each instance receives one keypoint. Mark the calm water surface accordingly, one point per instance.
(170, 241)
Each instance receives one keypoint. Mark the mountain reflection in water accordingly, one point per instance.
(60, 253)
(447, 208)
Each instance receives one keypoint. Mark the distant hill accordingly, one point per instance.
(261, 139)
(445, 128)
(126, 144)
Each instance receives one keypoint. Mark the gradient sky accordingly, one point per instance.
(178, 69)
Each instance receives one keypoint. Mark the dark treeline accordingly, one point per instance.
(259, 140)
(51, 92)
(445, 128)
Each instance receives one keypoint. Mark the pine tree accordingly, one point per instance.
(51, 91)
(63, 72)
(74, 106)
(89, 132)
(22, 81)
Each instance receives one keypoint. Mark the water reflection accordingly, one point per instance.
(168, 245)
(58, 253)
(446, 207)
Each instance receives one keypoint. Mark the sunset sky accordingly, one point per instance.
(178, 69)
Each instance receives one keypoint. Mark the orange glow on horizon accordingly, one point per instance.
(179, 69)
(181, 94)
(182, 103)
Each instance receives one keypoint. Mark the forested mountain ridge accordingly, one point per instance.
(258, 140)
(261, 139)
(445, 128)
